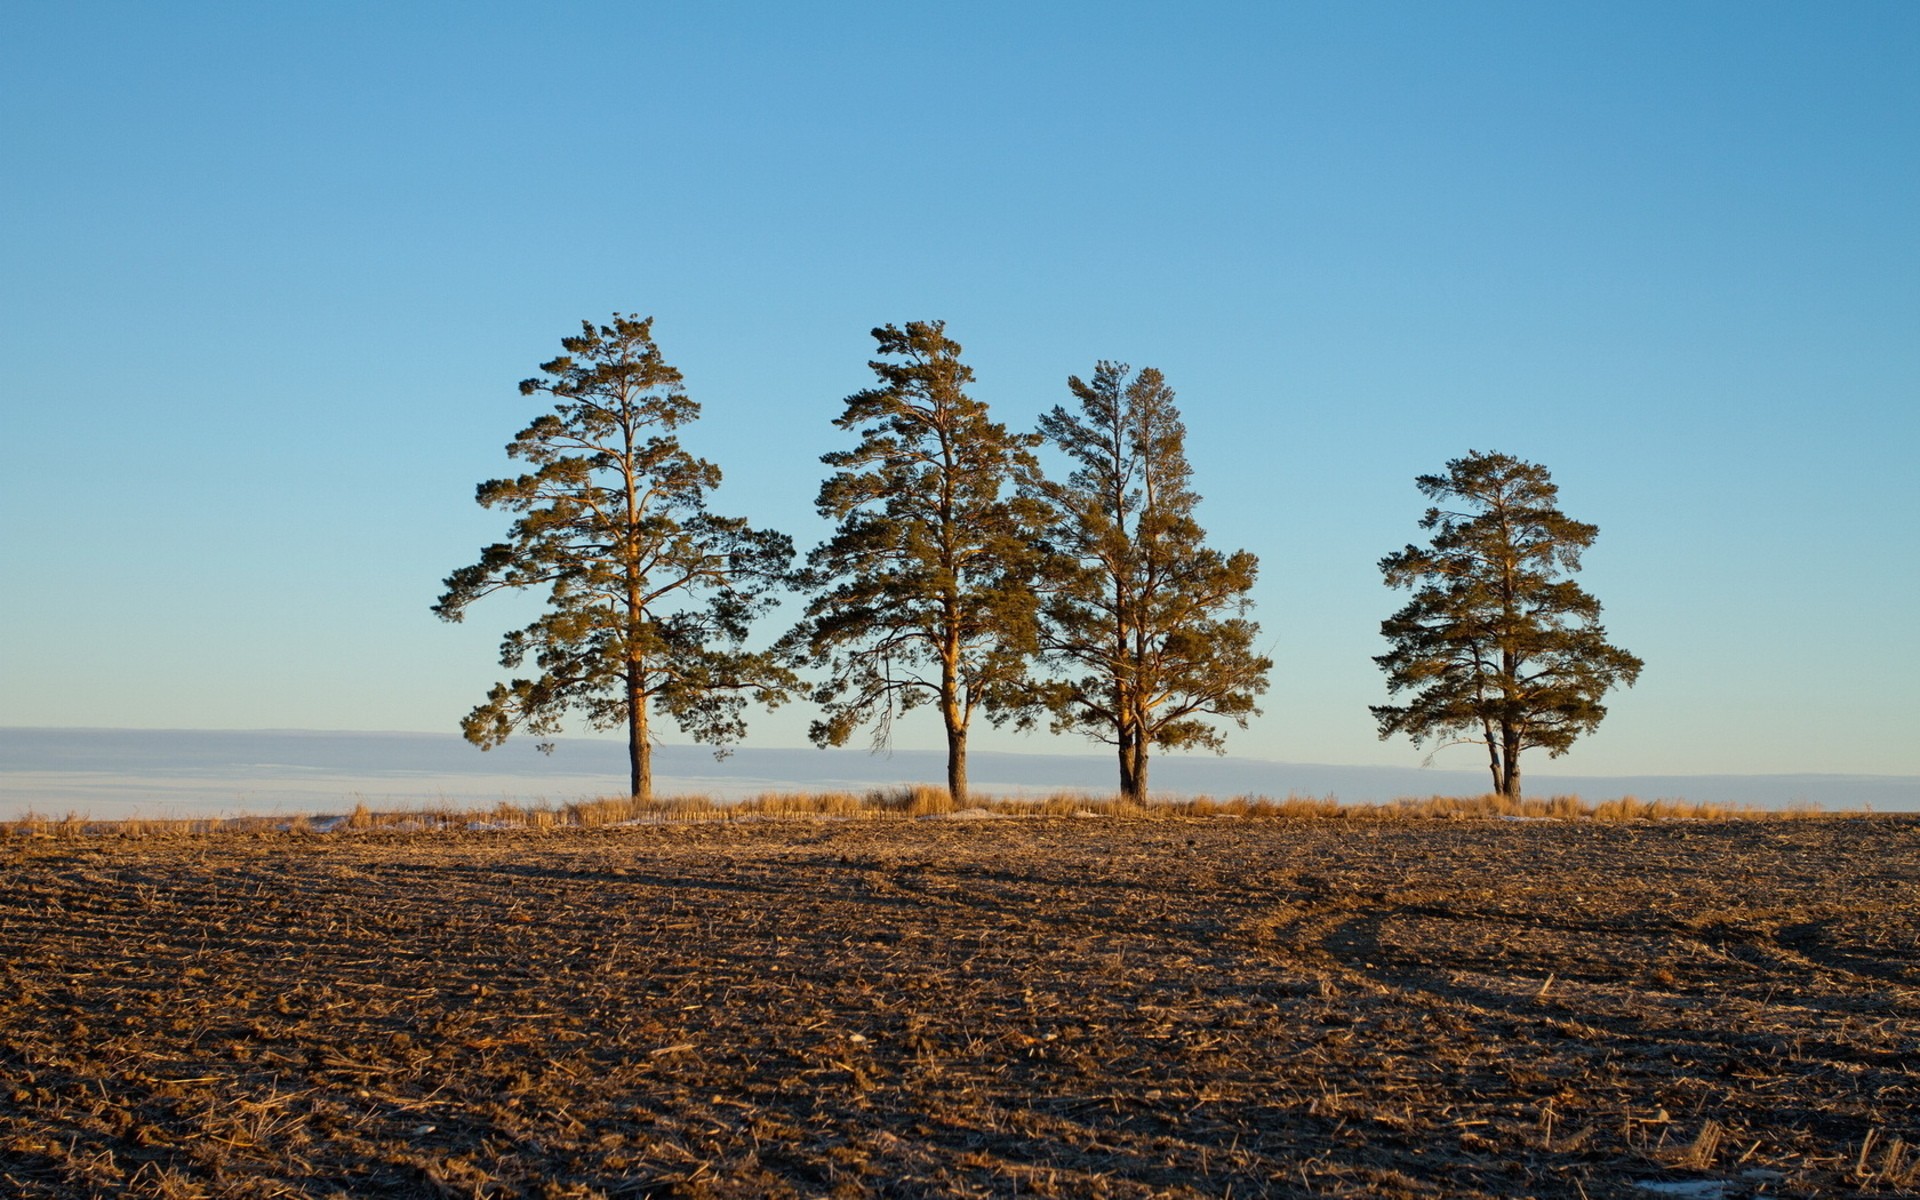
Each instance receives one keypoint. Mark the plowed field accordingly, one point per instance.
(895, 1007)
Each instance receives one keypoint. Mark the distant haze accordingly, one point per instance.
(108, 773)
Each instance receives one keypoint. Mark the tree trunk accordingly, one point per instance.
(956, 765)
(1127, 736)
(1509, 685)
(639, 747)
(1126, 733)
(1139, 770)
(952, 713)
(1493, 759)
(1510, 747)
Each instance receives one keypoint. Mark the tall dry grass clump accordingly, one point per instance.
(1566, 808)
(917, 800)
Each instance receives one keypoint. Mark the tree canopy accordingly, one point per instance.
(1496, 646)
(649, 595)
(1146, 625)
(923, 593)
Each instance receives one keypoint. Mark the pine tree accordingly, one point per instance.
(1146, 624)
(1497, 647)
(649, 595)
(923, 594)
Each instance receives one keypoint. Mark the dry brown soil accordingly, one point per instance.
(1070, 1007)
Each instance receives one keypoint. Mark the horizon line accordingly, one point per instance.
(1089, 755)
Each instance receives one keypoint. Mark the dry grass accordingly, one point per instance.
(902, 802)
(1162, 1005)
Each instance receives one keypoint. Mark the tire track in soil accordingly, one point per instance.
(1693, 1037)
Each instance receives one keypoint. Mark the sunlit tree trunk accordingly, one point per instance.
(1128, 789)
(1493, 759)
(957, 766)
(1137, 774)
(639, 747)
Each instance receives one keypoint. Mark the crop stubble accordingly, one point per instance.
(1109, 1007)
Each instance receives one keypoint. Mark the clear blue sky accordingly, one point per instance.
(269, 275)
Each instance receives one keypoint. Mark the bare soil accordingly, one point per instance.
(1065, 1007)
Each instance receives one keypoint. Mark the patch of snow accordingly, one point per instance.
(1695, 1189)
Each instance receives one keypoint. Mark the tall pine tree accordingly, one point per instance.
(923, 593)
(649, 595)
(1497, 647)
(1147, 625)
